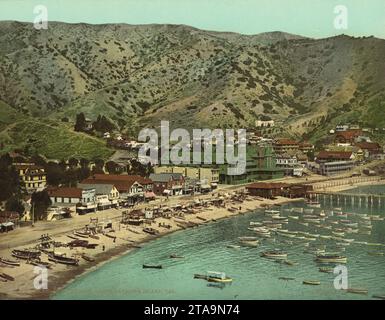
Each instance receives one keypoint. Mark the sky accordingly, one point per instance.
(312, 18)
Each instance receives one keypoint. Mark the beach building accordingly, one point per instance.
(167, 184)
(335, 162)
(261, 165)
(131, 188)
(205, 175)
(83, 199)
(107, 196)
(271, 190)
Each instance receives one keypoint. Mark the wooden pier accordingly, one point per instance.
(353, 199)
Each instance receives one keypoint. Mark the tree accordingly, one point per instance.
(55, 174)
(14, 204)
(98, 168)
(40, 202)
(73, 162)
(111, 167)
(80, 122)
(9, 178)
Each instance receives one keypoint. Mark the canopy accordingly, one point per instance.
(166, 191)
(7, 224)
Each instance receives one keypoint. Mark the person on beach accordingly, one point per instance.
(104, 248)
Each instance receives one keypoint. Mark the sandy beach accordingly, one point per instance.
(126, 238)
(59, 275)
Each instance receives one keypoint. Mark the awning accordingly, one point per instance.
(205, 186)
(166, 191)
(214, 184)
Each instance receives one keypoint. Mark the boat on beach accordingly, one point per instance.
(10, 262)
(63, 259)
(326, 270)
(6, 277)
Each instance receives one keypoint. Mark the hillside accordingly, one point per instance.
(138, 75)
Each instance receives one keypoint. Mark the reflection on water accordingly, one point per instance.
(205, 248)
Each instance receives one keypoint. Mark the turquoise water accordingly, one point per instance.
(254, 277)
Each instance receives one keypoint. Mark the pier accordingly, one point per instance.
(320, 193)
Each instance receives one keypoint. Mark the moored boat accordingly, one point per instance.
(275, 254)
(324, 258)
(152, 266)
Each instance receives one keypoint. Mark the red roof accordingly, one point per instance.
(349, 134)
(263, 185)
(373, 146)
(334, 155)
(120, 177)
(121, 182)
(65, 192)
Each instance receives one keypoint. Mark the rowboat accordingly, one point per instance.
(255, 224)
(213, 276)
(293, 217)
(313, 204)
(63, 260)
(379, 296)
(272, 212)
(276, 254)
(286, 278)
(151, 266)
(87, 258)
(312, 282)
(247, 239)
(323, 258)
(151, 231)
(233, 246)
(10, 262)
(40, 263)
(326, 270)
(290, 263)
(7, 277)
(357, 290)
(175, 256)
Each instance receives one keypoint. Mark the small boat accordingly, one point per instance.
(313, 204)
(94, 237)
(376, 218)
(286, 278)
(87, 258)
(175, 256)
(152, 266)
(7, 277)
(326, 270)
(37, 262)
(109, 235)
(290, 263)
(200, 218)
(247, 239)
(10, 262)
(324, 258)
(272, 212)
(378, 254)
(357, 290)
(151, 231)
(275, 254)
(293, 217)
(63, 260)
(72, 237)
(255, 224)
(233, 246)
(213, 276)
(379, 296)
(312, 282)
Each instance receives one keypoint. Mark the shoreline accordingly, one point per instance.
(61, 276)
